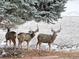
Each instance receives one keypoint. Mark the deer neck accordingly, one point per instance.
(54, 36)
(8, 30)
(32, 35)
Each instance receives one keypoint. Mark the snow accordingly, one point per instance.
(72, 8)
(69, 34)
(67, 37)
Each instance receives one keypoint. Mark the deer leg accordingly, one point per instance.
(6, 42)
(27, 45)
(14, 42)
(49, 46)
(10, 42)
(37, 45)
(19, 44)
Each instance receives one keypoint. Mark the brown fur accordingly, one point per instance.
(26, 37)
(45, 38)
(10, 36)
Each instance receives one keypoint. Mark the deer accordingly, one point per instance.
(26, 37)
(10, 36)
(47, 38)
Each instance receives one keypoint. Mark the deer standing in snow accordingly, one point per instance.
(26, 37)
(10, 36)
(45, 38)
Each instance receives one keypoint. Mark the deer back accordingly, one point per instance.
(45, 38)
(24, 36)
(10, 35)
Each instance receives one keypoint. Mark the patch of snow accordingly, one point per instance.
(72, 8)
(68, 36)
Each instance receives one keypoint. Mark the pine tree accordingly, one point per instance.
(19, 11)
(48, 10)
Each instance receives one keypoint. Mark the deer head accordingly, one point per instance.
(8, 29)
(56, 31)
(33, 32)
(54, 35)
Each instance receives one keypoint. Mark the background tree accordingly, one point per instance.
(19, 11)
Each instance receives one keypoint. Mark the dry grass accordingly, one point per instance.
(23, 53)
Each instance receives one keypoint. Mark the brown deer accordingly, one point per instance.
(10, 36)
(26, 37)
(45, 38)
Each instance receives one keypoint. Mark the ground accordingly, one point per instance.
(36, 54)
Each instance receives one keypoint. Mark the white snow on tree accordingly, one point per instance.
(19, 11)
(49, 10)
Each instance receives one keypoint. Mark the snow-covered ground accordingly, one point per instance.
(72, 8)
(68, 38)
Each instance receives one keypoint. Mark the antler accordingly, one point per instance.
(52, 30)
(59, 29)
(37, 29)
